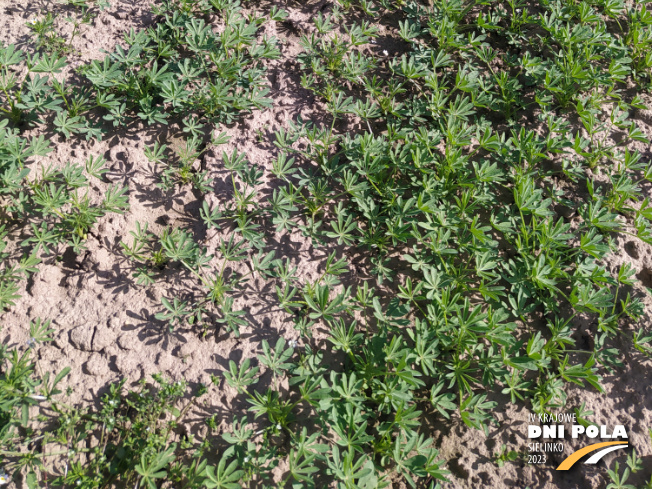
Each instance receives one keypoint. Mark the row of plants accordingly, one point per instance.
(480, 176)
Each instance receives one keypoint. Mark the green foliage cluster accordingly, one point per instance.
(181, 66)
(479, 176)
(130, 431)
(29, 97)
(55, 207)
(475, 212)
(79, 13)
(47, 211)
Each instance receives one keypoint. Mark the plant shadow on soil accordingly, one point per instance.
(150, 330)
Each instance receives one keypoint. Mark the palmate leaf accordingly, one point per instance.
(156, 153)
(599, 216)
(221, 138)
(349, 470)
(144, 276)
(285, 296)
(418, 465)
(461, 375)
(46, 63)
(178, 245)
(270, 403)
(173, 93)
(585, 297)
(580, 373)
(644, 230)
(151, 112)
(302, 466)
(540, 274)
(233, 319)
(95, 167)
(130, 57)
(516, 387)
(176, 311)
(351, 435)
(529, 199)
(276, 361)
(636, 134)
(643, 342)
(115, 199)
(200, 36)
(224, 476)
(28, 264)
(42, 237)
(343, 337)
(37, 94)
(241, 431)
(233, 250)
(156, 75)
(591, 243)
(152, 468)
(104, 74)
(343, 230)
(69, 125)
(424, 184)
(10, 56)
(210, 216)
(321, 304)
(474, 413)
(335, 267)
(312, 390)
(262, 263)
(8, 291)
(240, 377)
(51, 198)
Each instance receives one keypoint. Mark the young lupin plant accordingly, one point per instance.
(464, 176)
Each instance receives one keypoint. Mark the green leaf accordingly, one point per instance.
(152, 468)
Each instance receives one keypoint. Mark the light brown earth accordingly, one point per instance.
(105, 323)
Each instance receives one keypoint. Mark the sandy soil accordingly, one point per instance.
(105, 322)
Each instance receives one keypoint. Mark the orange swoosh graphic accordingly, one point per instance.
(574, 457)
